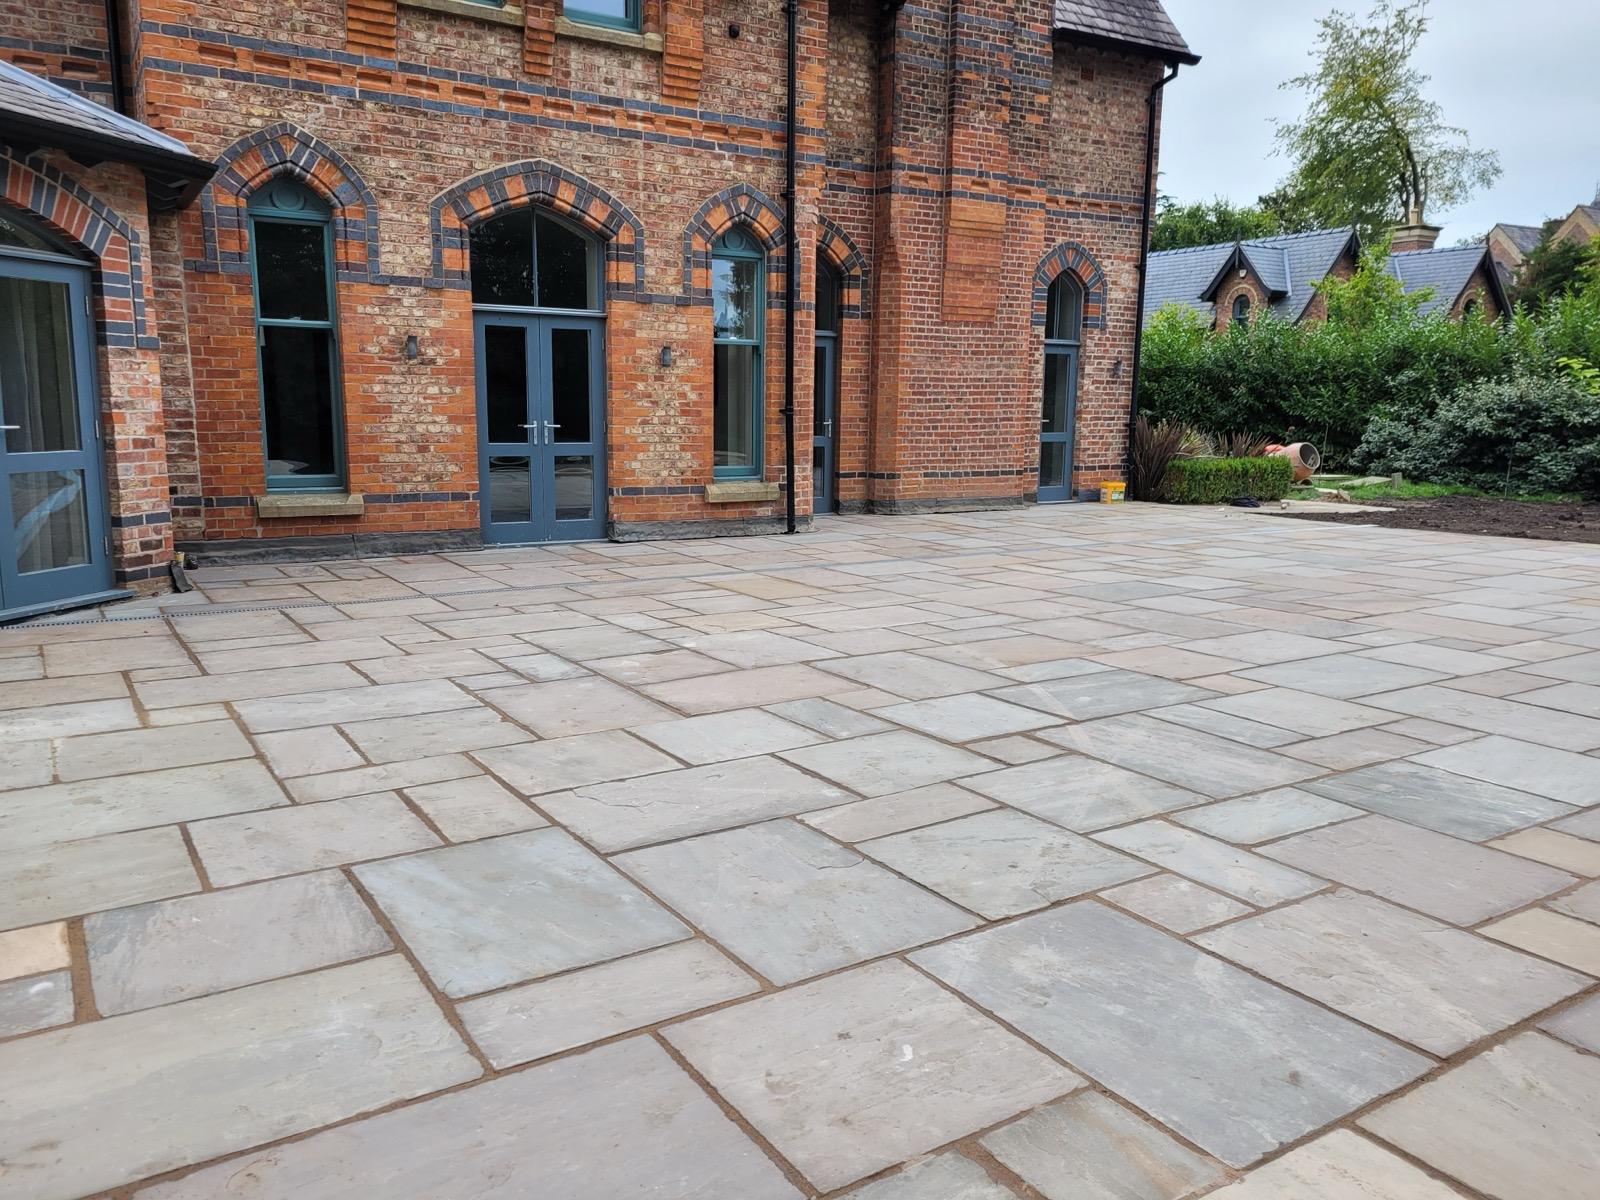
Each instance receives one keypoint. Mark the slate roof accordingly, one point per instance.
(1289, 265)
(1137, 24)
(1523, 237)
(1445, 269)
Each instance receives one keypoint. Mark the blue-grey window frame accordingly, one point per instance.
(316, 213)
(1065, 345)
(758, 396)
(630, 22)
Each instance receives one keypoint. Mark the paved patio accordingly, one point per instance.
(1090, 854)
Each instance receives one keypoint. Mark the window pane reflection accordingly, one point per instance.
(50, 520)
(574, 487)
(570, 384)
(734, 407)
(505, 377)
(36, 385)
(297, 388)
(510, 490)
(735, 294)
(1052, 464)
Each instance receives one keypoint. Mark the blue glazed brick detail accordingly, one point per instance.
(741, 205)
(1070, 256)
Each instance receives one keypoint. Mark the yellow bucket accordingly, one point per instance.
(1112, 492)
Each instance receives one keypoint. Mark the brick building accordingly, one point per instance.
(424, 274)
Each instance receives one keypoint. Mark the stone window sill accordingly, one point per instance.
(281, 506)
(742, 491)
(495, 14)
(650, 43)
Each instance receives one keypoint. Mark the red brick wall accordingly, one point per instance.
(1478, 289)
(63, 40)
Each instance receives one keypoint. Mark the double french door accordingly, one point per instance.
(541, 416)
(52, 497)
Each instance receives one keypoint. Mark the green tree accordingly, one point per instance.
(1372, 294)
(1371, 149)
(1554, 269)
(1290, 208)
(1203, 224)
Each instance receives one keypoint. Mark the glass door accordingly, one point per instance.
(824, 410)
(52, 505)
(570, 415)
(1063, 334)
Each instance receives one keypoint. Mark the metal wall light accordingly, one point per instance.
(413, 349)
(666, 356)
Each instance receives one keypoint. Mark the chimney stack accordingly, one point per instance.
(1414, 234)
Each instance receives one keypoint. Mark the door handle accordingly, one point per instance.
(3, 428)
(550, 428)
(535, 428)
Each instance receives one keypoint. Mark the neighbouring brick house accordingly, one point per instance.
(1511, 244)
(423, 274)
(1233, 281)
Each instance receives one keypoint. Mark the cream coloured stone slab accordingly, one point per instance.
(1187, 758)
(1236, 1066)
(1338, 1166)
(25, 764)
(1554, 935)
(623, 1122)
(948, 1176)
(1519, 1122)
(352, 704)
(441, 664)
(66, 720)
(247, 685)
(883, 764)
(893, 814)
(860, 1071)
(38, 1002)
(1358, 748)
(662, 666)
(1554, 848)
(912, 676)
(34, 951)
(574, 762)
(236, 1070)
(395, 738)
(312, 751)
(1250, 820)
(65, 879)
(720, 737)
(1426, 983)
(1579, 1024)
(1216, 864)
(1175, 903)
(567, 707)
(748, 648)
(525, 1023)
(32, 691)
(307, 837)
(99, 755)
(747, 689)
(477, 807)
(120, 654)
(486, 914)
(305, 654)
(169, 950)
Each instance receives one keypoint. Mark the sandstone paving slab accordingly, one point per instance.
(719, 737)
(596, 641)
(1305, 713)
(1438, 800)
(829, 719)
(1175, 903)
(351, 704)
(1578, 668)
(1542, 770)
(393, 739)
(1338, 1166)
(66, 720)
(98, 755)
(307, 837)
(118, 654)
(1169, 662)
(1189, 759)
(1088, 1145)
(1235, 1065)
(1081, 794)
(1216, 864)
(1519, 1122)
(948, 1176)
(34, 950)
(262, 658)
(169, 950)
(857, 1072)
(1554, 935)
(486, 914)
(247, 685)
(1565, 851)
(1358, 748)
(1583, 903)
(655, 808)
(1102, 694)
(622, 1122)
(1490, 714)
(1426, 983)
(1344, 676)
(879, 817)
(1583, 824)
(453, 663)
(79, 1113)
(910, 675)
(966, 717)
(574, 762)
(757, 648)
(1445, 877)
(363, 781)
(567, 707)
(662, 666)
(314, 751)
(529, 1022)
(746, 689)
(1226, 725)
(66, 879)
(476, 807)
(789, 902)
(1250, 820)
(1264, 647)
(37, 1002)
(1002, 863)
(25, 764)
(1015, 749)
(883, 764)
(1579, 1024)
(32, 692)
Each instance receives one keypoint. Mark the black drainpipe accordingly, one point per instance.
(1144, 248)
(119, 90)
(792, 275)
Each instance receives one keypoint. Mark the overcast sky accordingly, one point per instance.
(1523, 79)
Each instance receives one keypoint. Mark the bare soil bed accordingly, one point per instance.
(1574, 521)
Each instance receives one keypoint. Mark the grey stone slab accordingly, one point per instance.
(68, 811)
(36, 1002)
(132, 751)
(637, 812)
(118, 654)
(750, 648)
(1428, 984)
(235, 1070)
(1226, 725)
(948, 1176)
(1490, 714)
(1442, 876)
(966, 717)
(884, 815)
(1190, 759)
(486, 914)
(1175, 903)
(1583, 824)
(600, 641)
(913, 676)
(1438, 800)
(477, 807)
(1102, 694)
(619, 1123)
(1250, 820)
(1343, 676)
(1235, 1065)
(352, 704)
(1002, 863)
(524, 1023)
(394, 739)
(1226, 868)
(790, 902)
(169, 950)
(307, 837)
(1583, 903)
(1578, 668)
(860, 1071)
(1303, 712)
(567, 707)
(1579, 1024)
(1266, 646)
(1090, 1146)
(247, 685)
(1541, 770)
(882, 764)
(1082, 794)
(829, 719)
(1519, 1122)
(574, 762)
(1338, 1166)
(746, 689)
(363, 781)
(660, 667)
(1358, 748)
(719, 737)
(65, 879)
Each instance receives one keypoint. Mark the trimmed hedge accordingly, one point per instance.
(1219, 480)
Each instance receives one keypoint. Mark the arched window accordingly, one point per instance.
(1063, 331)
(738, 306)
(1472, 308)
(529, 258)
(18, 233)
(1241, 307)
(291, 252)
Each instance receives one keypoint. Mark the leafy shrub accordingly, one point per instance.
(1527, 433)
(1155, 447)
(1218, 480)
